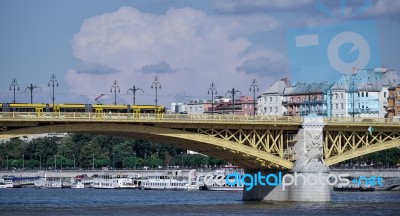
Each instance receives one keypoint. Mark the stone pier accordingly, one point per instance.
(310, 171)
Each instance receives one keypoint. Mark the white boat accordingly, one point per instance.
(77, 185)
(113, 182)
(48, 182)
(172, 180)
(219, 174)
(2, 184)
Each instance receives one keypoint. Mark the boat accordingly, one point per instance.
(353, 188)
(219, 174)
(77, 185)
(18, 182)
(171, 180)
(2, 184)
(49, 182)
(113, 182)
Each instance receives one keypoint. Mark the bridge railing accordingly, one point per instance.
(142, 117)
(362, 120)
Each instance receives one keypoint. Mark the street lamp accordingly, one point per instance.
(182, 160)
(93, 162)
(254, 87)
(40, 162)
(31, 88)
(115, 87)
(7, 162)
(55, 162)
(156, 85)
(134, 89)
(213, 90)
(113, 160)
(74, 161)
(135, 160)
(233, 92)
(52, 81)
(23, 161)
(14, 85)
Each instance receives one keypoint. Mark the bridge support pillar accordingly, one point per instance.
(307, 181)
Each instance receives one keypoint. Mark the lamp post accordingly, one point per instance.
(74, 161)
(254, 87)
(55, 162)
(352, 91)
(40, 162)
(52, 81)
(23, 161)
(14, 86)
(135, 160)
(156, 85)
(7, 162)
(331, 103)
(113, 160)
(213, 91)
(115, 87)
(93, 162)
(233, 92)
(133, 90)
(31, 88)
(182, 160)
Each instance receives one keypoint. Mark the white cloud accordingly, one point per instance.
(199, 48)
(251, 6)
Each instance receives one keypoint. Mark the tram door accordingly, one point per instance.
(99, 113)
(39, 112)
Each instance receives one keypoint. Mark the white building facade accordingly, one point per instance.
(270, 101)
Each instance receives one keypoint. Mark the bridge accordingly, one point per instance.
(248, 141)
(257, 143)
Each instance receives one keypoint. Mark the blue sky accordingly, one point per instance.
(187, 44)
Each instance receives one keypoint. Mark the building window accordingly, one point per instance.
(276, 109)
(336, 96)
(341, 95)
(366, 94)
(342, 106)
(245, 106)
(384, 94)
(270, 99)
(270, 109)
(251, 106)
(276, 99)
(298, 99)
(362, 94)
(336, 106)
(358, 94)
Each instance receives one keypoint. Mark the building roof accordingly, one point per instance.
(278, 87)
(313, 88)
(367, 80)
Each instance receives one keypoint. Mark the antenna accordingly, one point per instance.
(96, 99)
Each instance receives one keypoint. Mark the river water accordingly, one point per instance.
(31, 201)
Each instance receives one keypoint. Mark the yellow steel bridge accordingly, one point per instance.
(247, 141)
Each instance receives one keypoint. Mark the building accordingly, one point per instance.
(244, 105)
(178, 108)
(363, 93)
(393, 107)
(302, 99)
(270, 101)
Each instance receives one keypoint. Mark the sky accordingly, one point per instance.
(188, 45)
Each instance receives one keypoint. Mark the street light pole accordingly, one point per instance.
(55, 162)
(182, 160)
(254, 87)
(74, 161)
(40, 162)
(14, 85)
(52, 81)
(213, 90)
(156, 85)
(93, 162)
(31, 88)
(134, 89)
(233, 92)
(115, 87)
(23, 161)
(113, 160)
(135, 160)
(7, 162)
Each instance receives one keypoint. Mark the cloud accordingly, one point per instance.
(185, 47)
(95, 69)
(257, 6)
(159, 68)
(263, 66)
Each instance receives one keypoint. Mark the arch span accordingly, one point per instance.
(362, 151)
(242, 155)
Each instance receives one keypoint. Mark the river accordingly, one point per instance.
(31, 201)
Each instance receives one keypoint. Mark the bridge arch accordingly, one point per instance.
(242, 155)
